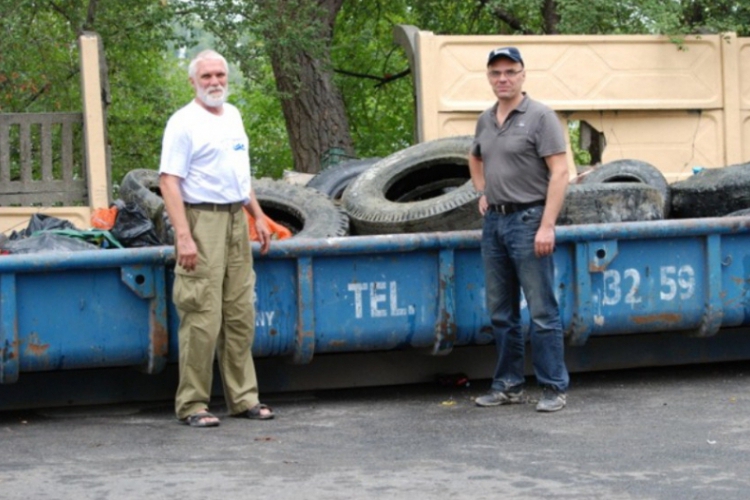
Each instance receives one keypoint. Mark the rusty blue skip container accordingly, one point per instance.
(112, 308)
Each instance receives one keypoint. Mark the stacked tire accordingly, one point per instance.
(713, 192)
(618, 191)
(307, 213)
(426, 187)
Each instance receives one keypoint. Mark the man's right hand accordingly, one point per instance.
(187, 253)
(483, 205)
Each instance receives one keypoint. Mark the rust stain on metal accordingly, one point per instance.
(337, 343)
(446, 328)
(160, 340)
(35, 346)
(657, 318)
(159, 335)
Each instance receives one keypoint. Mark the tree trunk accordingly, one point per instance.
(551, 17)
(314, 113)
(313, 108)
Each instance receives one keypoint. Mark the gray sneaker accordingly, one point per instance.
(497, 398)
(551, 400)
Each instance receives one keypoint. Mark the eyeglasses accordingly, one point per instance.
(508, 73)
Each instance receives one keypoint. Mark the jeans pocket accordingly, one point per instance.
(532, 215)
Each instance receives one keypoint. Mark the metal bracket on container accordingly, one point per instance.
(713, 311)
(601, 254)
(591, 257)
(149, 282)
(304, 342)
(445, 327)
(9, 348)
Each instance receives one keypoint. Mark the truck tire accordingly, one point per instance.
(307, 213)
(611, 202)
(712, 192)
(425, 187)
(739, 213)
(628, 170)
(333, 180)
(141, 186)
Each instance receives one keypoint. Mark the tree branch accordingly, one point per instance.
(88, 24)
(510, 20)
(391, 78)
(382, 80)
(60, 11)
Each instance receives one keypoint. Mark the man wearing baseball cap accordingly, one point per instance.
(517, 164)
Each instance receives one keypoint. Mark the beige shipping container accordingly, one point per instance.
(674, 105)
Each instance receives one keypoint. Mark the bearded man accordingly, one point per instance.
(205, 182)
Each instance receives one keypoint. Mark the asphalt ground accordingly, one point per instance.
(659, 433)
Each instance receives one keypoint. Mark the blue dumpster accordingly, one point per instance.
(112, 308)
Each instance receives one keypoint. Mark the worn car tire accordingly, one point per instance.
(611, 202)
(307, 213)
(141, 186)
(333, 180)
(739, 213)
(628, 170)
(425, 187)
(712, 192)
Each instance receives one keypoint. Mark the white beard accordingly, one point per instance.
(210, 98)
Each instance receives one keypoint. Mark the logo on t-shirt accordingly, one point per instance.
(239, 147)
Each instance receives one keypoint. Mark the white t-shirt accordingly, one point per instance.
(209, 152)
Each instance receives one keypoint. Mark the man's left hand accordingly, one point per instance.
(264, 234)
(544, 242)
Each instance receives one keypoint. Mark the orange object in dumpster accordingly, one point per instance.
(104, 218)
(278, 232)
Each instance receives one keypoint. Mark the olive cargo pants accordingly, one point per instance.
(215, 303)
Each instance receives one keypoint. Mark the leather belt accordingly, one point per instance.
(216, 207)
(509, 208)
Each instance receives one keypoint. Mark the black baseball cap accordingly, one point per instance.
(511, 53)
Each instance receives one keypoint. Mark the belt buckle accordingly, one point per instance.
(502, 209)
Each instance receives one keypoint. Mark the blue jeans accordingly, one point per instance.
(510, 265)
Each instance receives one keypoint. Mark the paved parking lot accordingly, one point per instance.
(666, 433)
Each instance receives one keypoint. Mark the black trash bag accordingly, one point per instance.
(132, 226)
(41, 222)
(45, 241)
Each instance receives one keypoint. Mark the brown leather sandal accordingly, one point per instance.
(201, 419)
(255, 413)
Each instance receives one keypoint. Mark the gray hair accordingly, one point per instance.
(203, 56)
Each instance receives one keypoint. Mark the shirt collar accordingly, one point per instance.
(521, 108)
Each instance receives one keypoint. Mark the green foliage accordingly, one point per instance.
(39, 57)
(373, 72)
(38, 61)
(245, 34)
(380, 110)
(611, 17)
(261, 111)
(41, 68)
(580, 156)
